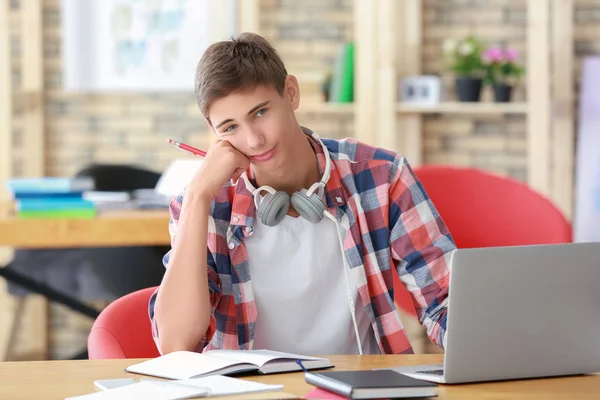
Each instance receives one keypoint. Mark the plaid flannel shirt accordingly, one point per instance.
(390, 223)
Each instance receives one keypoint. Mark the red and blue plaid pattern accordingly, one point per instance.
(390, 223)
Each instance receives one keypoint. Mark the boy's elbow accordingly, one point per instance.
(171, 344)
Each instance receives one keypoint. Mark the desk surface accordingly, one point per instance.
(59, 379)
(109, 228)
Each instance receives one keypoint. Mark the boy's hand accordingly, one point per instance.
(222, 162)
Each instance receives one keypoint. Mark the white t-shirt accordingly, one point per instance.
(300, 290)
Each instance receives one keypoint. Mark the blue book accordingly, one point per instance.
(42, 195)
(53, 204)
(50, 185)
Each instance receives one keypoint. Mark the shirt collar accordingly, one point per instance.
(243, 210)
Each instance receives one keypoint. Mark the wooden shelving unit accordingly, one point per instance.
(388, 40)
(30, 94)
(322, 107)
(474, 109)
(464, 108)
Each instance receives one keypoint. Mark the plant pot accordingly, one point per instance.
(502, 93)
(468, 89)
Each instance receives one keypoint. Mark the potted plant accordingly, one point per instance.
(502, 71)
(464, 58)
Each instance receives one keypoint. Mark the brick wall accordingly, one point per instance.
(134, 127)
(496, 143)
(308, 35)
(308, 43)
(117, 128)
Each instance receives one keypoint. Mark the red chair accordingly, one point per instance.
(123, 330)
(485, 210)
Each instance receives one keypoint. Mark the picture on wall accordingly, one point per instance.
(138, 45)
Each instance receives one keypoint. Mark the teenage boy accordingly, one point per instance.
(248, 269)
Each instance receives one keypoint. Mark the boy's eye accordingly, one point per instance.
(230, 128)
(261, 112)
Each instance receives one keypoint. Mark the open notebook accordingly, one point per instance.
(188, 365)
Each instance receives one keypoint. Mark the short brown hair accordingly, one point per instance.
(243, 62)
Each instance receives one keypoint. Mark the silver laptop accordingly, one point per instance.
(520, 312)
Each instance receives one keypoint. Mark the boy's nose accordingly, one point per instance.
(255, 138)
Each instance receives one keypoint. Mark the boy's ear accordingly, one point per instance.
(292, 90)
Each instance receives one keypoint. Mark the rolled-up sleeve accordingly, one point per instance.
(421, 247)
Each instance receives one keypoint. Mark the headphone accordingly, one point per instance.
(273, 207)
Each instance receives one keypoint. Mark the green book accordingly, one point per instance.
(347, 78)
(342, 81)
(69, 213)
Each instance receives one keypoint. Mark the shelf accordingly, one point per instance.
(326, 108)
(488, 108)
(464, 108)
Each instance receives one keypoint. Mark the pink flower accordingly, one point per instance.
(511, 54)
(492, 54)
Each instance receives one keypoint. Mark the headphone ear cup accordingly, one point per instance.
(310, 208)
(273, 208)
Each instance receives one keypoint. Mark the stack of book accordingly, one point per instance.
(109, 200)
(50, 197)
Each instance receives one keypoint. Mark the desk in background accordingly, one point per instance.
(109, 228)
(60, 379)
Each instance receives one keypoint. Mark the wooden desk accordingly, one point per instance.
(59, 379)
(109, 228)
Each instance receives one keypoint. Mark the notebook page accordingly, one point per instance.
(147, 390)
(259, 357)
(218, 385)
(181, 365)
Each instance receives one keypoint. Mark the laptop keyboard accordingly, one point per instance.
(439, 372)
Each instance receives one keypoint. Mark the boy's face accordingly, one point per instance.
(258, 122)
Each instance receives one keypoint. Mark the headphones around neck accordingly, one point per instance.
(273, 207)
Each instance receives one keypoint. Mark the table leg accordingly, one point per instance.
(8, 318)
(48, 293)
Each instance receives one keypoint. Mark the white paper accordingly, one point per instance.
(147, 390)
(218, 385)
(177, 176)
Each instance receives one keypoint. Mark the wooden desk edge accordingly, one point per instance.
(109, 228)
(60, 379)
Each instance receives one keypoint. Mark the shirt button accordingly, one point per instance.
(338, 199)
(231, 246)
(236, 219)
(248, 229)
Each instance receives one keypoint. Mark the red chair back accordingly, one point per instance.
(123, 330)
(485, 210)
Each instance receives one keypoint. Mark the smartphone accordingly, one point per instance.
(106, 384)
